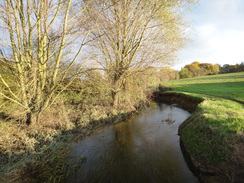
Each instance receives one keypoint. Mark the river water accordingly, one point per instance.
(145, 148)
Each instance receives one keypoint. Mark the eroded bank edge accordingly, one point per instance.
(204, 171)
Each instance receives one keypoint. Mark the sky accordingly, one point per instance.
(216, 33)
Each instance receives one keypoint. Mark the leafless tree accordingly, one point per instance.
(131, 35)
(37, 37)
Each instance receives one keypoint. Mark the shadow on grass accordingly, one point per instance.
(223, 77)
(228, 90)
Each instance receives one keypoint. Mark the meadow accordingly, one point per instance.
(214, 134)
(228, 86)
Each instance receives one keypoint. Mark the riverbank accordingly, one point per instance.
(184, 101)
(212, 138)
(40, 154)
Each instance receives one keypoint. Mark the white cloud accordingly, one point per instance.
(220, 33)
(207, 30)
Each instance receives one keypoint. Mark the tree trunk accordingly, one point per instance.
(115, 98)
(32, 118)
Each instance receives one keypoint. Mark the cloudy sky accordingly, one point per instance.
(217, 33)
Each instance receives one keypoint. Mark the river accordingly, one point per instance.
(145, 148)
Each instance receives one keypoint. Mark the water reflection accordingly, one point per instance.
(143, 149)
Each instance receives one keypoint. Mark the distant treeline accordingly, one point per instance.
(197, 69)
(232, 68)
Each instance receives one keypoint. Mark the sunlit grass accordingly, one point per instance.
(224, 97)
(229, 86)
(226, 115)
(216, 129)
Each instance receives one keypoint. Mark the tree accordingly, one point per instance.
(37, 36)
(185, 73)
(195, 69)
(166, 74)
(209, 69)
(199, 69)
(131, 35)
(241, 67)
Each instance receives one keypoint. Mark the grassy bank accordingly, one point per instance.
(214, 134)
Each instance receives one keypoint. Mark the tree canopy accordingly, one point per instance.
(131, 35)
(43, 42)
(196, 69)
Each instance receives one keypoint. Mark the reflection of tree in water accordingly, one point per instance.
(162, 107)
(169, 120)
(169, 108)
(122, 164)
(113, 161)
(139, 150)
(123, 134)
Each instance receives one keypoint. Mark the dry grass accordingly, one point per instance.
(41, 149)
(18, 140)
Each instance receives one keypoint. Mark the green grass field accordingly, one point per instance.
(215, 131)
(224, 98)
(229, 86)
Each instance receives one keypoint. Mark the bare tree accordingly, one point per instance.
(131, 35)
(37, 37)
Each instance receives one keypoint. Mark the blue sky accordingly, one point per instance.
(217, 33)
